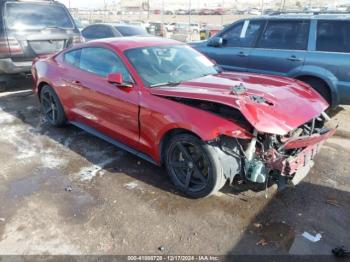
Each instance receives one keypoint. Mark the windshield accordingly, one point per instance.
(131, 30)
(36, 16)
(169, 64)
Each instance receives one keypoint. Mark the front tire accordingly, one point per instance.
(193, 166)
(51, 107)
(321, 87)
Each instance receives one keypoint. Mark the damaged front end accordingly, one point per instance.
(284, 159)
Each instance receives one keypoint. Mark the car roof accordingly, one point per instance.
(306, 16)
(114, 24)
(130, 42)
(53, 2)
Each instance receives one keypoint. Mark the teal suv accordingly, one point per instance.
(314, 48)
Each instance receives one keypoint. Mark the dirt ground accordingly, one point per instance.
(63, 191)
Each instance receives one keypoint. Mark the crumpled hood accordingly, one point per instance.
(271, 104)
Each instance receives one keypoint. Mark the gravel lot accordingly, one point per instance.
(63, 191)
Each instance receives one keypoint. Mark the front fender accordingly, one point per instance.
(159, 116)
(209, 134)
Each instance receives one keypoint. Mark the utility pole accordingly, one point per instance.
(162, 27)
(162, 12)
(283, 2)
(222, 15)
(104, 11)
(189, 12)
(148, 7)
(262, 6)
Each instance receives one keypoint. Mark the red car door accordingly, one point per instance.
(101, 105)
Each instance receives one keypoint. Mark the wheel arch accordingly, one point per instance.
(166, 137)
(323, 75)
(40, 87)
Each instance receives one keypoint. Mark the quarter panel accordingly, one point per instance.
(49, 71)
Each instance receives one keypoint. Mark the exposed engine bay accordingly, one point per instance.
(283, 159)
(267, 157)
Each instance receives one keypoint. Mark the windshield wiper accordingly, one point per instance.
(170, 83)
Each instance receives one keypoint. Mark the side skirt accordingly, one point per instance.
(108, 139)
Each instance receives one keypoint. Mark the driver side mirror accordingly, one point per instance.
(117, 79)
(215, 41)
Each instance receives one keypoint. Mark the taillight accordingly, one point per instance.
(4, 48)
(14, 46)
(10, 46)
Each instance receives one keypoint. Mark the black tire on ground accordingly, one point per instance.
(193, 166)
(51, 107)
(321, 87)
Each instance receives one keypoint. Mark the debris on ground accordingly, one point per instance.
(340, 252)
(2, 219)
(257, 225)
(262, 242)
(68, 189)
(312, 238)
(161, 248)
(333, 202)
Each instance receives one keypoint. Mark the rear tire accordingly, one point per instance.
(321, 87)
(193, 166)
(51, 107)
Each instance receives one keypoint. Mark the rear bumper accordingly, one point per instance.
(8, 66)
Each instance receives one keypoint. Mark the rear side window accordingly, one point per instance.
(23, 15)
(291, 35)
(73, 57)
(333, 36)
(97, 32)
(243, 34)
(101, 61)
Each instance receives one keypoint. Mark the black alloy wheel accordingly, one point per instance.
(193, 166)
(51, 107)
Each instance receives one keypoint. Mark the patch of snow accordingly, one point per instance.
(6, 118)
(131, 185)
(52, 161)
(15, 135)
(88, 173)
(29, 146)
(312, 238)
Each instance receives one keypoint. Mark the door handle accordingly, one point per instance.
(294, 58)
(242, 54)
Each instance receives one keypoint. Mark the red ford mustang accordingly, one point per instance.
(169, 104)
